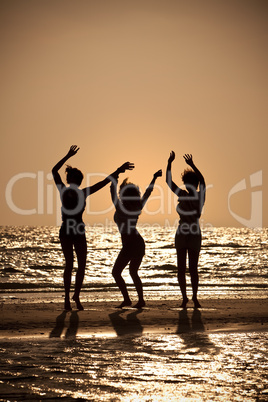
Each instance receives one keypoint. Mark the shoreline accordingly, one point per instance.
(48, 320)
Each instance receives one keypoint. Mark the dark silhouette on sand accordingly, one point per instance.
(193, 334)
(128, 325)
(128, 207)
(60, 324)
(72, 231)
(188, 236)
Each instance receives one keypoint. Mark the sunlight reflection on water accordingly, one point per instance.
(232, 262)
(230, 258)
(150, 367)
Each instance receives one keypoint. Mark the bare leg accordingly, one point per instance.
(120, 263)
(181, 259)
(133, 268)
(193, 263)
(67, 248)
(81, 252)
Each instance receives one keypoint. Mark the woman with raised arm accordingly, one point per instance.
(128, 207)
(188, 235)
(72, 231)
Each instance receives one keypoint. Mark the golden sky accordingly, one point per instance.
(132, 80)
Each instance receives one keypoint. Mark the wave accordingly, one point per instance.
(109, 287)
(165, 267)
(46, 267)
(26, 286)
(10, 270)
(208, 245)
(232, 245)
(49, 286)
(28, 248)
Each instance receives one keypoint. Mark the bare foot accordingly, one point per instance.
(140, 304)
(67, 305)
(196, 303)
(78, 304)
(125, 303)
(184, 302)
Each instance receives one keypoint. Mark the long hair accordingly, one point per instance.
(189, 177)
(73, 175)
(130, 196)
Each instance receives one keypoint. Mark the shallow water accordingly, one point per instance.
(186, 365)
(233, 262)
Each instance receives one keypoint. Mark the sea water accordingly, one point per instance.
(233, 262)
(190, 366)
(187, 365)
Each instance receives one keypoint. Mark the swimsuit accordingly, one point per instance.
(73, 206)
(132, 241)
(188, 234)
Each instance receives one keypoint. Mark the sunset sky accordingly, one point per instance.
(130, 81)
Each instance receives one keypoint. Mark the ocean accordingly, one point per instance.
(233, 263)
(186, 364)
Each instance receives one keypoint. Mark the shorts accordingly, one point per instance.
(188, 241)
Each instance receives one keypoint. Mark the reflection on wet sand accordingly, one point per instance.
(135, 364)
(199, 340)
(72, 329)
(129, 325)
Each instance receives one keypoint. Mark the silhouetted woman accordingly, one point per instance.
(128, 207)
(72, 231)
(188, 235)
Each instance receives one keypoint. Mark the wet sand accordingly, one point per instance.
(217, 352)
(48, 319)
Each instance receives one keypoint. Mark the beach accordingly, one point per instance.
(159, 353)
(47, 318)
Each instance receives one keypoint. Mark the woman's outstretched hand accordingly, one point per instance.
(72, 151)
(158, 174)
(171, 157)
(126, 166)
(189, 159)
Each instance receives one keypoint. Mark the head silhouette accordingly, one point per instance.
(73, 176)
(190, 179)
(130, 196)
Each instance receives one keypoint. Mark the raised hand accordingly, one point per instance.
(188, 159)
(158, 174)
(72, 151)
(126, 166)
(171, 157)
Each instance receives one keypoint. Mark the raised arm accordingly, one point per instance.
(150, 188)
(189, 160)
(169, 181)
(113, 190)
(55, 170)
(111, 178)
(114, 180)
